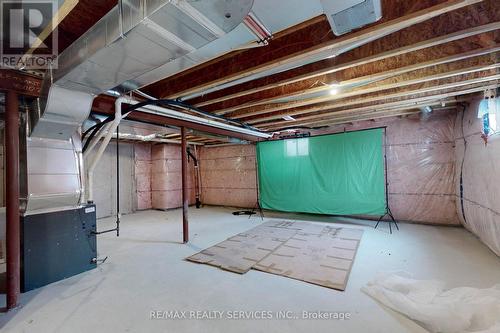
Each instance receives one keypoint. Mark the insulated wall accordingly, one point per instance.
(143, 175)
(166, 177)
(420, 165)
(228, 176)
(479, 164)
(420, 162)
(339, 174)
(105, 180)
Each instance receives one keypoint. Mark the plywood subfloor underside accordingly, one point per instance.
(309, 252)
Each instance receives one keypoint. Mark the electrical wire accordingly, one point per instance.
(462, 165)
(92, 131)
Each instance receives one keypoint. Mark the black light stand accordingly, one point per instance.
(257, 204)
(387, 208)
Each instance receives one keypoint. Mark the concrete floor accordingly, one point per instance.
(145, 272)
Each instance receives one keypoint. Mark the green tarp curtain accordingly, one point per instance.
(338, 174)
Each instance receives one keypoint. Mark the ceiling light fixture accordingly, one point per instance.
(334, 88)
(289, 118)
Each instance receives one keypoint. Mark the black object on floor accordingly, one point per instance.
(244, 212)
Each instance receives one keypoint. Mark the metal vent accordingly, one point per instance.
(345, 16)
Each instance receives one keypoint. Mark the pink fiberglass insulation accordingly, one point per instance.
(166, 180)
(481, 178)
(421, 163)
(228, 176)
(142, 153)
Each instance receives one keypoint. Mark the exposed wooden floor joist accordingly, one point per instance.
(336, 45)
(357, 81)
(329, 69)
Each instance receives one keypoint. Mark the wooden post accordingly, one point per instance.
(13, 236)
(185, 194)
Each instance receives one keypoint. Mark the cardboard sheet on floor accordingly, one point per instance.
(239, 253)
(310, 252)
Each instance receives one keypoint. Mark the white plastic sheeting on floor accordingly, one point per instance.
(457, 310)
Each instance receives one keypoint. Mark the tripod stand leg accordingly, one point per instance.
(255, 207)
(393, 219)
(380, 219)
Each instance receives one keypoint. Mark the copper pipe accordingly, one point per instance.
(13, 235)
(185, 196)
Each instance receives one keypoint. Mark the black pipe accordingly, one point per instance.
(105, 231)
(162, 102)
(193, 157)
(118, 181)
(462, 207)
(195, 160)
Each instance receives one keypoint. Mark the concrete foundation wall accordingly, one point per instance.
(228, 176)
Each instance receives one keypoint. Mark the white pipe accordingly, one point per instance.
(96, 139)
(251, 45)
(153, 109)
(225, 144)
(143, 94)
(104, 144)
(153, 138)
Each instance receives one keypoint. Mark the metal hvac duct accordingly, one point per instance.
(137, 43)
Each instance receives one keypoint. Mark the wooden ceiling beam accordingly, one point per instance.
(289, 108)
(384, 114)
(363, 80)
(162, 120)
(314, 119)
(300, 111)
(211, 79)
(329, 69)
(348, 113)
(20, 82)
(292, 109)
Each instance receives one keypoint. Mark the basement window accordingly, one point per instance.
(489, 112)
(297, 147)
